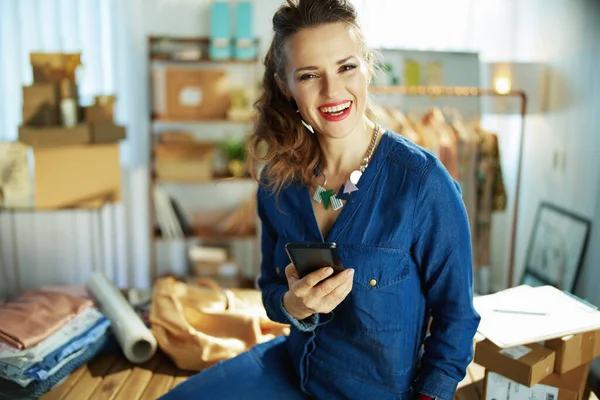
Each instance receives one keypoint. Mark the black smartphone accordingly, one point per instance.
(311, 256)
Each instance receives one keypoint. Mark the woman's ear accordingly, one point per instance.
(281, 85)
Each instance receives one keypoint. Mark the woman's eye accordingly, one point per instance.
(307, 76)
(348, 67)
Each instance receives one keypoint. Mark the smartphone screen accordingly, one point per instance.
(309, 257)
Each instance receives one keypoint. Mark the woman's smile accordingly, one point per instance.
(337, 111)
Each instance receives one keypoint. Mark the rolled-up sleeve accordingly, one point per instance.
(442, 249)
(272, 286)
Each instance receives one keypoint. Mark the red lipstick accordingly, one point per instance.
(336, 117)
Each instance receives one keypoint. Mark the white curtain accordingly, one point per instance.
(109, 36)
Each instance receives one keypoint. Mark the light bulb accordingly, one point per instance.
(502, 85)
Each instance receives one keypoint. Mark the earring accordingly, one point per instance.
(310, 128)
(295, 107)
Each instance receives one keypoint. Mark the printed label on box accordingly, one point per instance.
(501, 388)
(190, 97)
(515, 352)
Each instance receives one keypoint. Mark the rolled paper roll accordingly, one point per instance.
(136, 340)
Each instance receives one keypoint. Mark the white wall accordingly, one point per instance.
(563, 34)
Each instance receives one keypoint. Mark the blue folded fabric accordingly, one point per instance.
(11, 390)
(40, 370)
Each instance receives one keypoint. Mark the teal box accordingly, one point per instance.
(245, 43)
(220, 47)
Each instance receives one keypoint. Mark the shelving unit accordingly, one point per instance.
(204, 130)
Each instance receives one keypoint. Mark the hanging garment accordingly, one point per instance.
(35, 315)
(491, 194)
(199, 325)
(468, 146)
(448, 146)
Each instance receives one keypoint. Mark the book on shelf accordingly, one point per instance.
(186, 227)
(170, 218)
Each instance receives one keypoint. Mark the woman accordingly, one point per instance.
(401, 228)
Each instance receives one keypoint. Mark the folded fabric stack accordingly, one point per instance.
(44, 336)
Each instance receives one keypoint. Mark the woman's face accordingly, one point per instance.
(328, 77)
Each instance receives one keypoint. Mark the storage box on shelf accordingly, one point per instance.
(191, 93)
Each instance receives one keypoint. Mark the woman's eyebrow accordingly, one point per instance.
(313, 68)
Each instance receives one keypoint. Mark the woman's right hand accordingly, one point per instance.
(315, 293)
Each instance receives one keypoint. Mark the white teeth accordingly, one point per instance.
(337, 108)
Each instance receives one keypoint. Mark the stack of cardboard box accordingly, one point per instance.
(556, 369)
(75, 149)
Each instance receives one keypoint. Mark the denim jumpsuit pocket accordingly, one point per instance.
(379, 289)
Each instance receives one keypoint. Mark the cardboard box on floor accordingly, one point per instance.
(569, 386)
(575, 350)
(76, 175)
(527, 364)
(471, 387)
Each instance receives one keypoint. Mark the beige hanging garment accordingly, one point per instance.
(404, 126)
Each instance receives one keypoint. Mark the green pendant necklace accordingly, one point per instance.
(328, 197)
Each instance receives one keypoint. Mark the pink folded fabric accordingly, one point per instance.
(35, 315)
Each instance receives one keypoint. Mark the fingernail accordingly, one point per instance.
(329, 270)
(350, 272)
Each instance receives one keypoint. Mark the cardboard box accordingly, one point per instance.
(41, 94)
(54, 67)
(185, 161)
(97, 114)
(45, 115)
(569, 386)
(71, 175)
(526, 365)
(472, 391)
(471, 387)
(575, 350)
(191, 94)
(107, 133)
(55, 136)
(40, 104)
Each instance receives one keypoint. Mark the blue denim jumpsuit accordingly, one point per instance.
(405, 233)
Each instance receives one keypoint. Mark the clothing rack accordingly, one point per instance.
(468, 91)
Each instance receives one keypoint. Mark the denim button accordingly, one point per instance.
(372, 282)
(277, 270)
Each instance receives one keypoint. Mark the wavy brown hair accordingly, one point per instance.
(279, 139)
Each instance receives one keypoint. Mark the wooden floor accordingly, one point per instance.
(113, 377)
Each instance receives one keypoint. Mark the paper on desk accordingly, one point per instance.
(136, 341)
(562, 315)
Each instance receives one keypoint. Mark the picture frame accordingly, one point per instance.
(556, 248)
(533, 280)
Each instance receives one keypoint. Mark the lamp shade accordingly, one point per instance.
(504, 77)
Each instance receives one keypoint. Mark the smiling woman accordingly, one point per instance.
(389, 207)
(317, 73)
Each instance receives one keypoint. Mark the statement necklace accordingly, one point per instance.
(327, 197)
